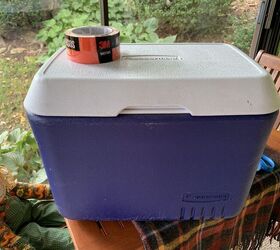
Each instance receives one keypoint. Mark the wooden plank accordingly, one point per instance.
(274, 140)
(259, 55)
(273, 146)
(87, 236)
(268, 70)
(277, 85)
(270, 61)
(275, 75)
(276, 125)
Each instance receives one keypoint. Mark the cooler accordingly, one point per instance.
(167, 132)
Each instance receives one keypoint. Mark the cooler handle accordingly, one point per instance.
(155, 110)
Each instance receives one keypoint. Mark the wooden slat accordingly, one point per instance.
(87, 236)
(270, 61)
(259, 55)
(275, 74)
(273, 146)
(277, 124)
(274, 140)
(271, 64)
(277, 85)
(268, 70)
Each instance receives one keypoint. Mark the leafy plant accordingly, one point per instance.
(77, 13)
(21, 13)
(15, 77)
(243, 29)
(142, 32)
(187, 18)
(19, 153)
(86, 12)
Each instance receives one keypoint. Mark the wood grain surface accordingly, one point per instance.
(87, 235)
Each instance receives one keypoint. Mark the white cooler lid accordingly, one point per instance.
(200, 79)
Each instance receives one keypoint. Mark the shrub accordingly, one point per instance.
(77, 13)
(187, 18)
(142, 32)
(242, 32)
(19, 153)
(16, 14)
(86, 12)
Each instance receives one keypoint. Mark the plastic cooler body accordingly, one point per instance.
(151, 167)
(167, 132)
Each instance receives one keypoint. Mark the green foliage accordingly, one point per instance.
(77, 13)
(86, 12)
(15, 77)
(19, 153)
(142, 32)
(20, 13)
(187, 18)
(243, 29)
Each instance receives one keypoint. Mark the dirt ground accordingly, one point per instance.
(18, 64)
(19, 44)
(245, 6)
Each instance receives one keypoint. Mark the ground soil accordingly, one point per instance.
(19, 44)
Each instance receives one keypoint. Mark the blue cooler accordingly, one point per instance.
(167, 132)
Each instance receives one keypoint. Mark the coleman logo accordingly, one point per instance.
(205, 197)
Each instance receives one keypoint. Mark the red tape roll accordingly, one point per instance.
(93, 45)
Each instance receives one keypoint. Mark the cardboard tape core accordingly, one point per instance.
(92, 31)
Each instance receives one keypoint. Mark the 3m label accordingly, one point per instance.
(72, 43)
(105, 46)
(205, 197)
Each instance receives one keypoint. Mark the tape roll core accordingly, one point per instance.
(92, 31)
(93, 44)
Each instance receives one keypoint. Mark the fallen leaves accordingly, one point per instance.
(2, 50)
(17, 50)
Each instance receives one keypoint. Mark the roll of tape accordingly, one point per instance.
(93, 44)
